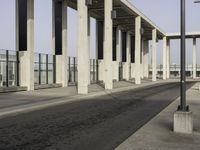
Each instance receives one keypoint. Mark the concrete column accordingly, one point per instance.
(194, 58)
(146, 59)
(1, 73)
(99, 48)
(168, 58)
(164, 58)
(128, 57)
(26, 56)
(83, 47)
(118, 59)
(154, 69)
(142, 59)
(137, 49)
(108, 27)
(89, 36)
(64, 45)
(61, 59)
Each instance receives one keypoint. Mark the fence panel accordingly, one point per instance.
(44, 69)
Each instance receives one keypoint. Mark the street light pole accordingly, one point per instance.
(183, 122)
(182, 106)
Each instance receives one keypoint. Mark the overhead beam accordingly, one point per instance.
(102, 8)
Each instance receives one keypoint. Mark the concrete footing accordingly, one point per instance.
(183, 122)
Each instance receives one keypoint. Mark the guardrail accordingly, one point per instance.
(9, 66)
(44, 69)
(175, 70)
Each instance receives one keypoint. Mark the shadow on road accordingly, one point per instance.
(100, 123)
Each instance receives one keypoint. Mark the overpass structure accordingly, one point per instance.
(123, 35)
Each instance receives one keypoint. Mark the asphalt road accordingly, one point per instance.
(100, 123)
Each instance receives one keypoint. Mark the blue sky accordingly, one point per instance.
(164, 13)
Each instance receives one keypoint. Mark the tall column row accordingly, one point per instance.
(135, 46)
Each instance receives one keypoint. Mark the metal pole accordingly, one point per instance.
(69, 80)
(97, 69)
(39, 69)
(54, 69)
(7, 74)
(183, 79)
(94, 69)
(17, 67)
(74, 69)
(47, 69)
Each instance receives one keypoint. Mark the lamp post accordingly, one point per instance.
(183, 122)
(183, 106)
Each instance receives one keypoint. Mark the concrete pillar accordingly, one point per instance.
(142, 59)
(137, 49)
(154, 69)
(26, 56)
(108, 27)
(194, 54)
(99, 48)
(146, 59)
(118, 53)
(128, 57)
(61, 59)
(89, 33)
(83, 47)
(164, 58)
(133, 57)
(168, 58)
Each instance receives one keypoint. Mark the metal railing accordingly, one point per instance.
(72, 70)
(44, 69)
(94, 70)
(9, 66)
(175, 70)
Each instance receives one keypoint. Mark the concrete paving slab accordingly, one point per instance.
(158, 133)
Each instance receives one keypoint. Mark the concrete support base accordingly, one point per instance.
(126, 71)
(142, 71)
(132, 70)
(116, 71)
(183, 122)
(100, 71)
(83, 89)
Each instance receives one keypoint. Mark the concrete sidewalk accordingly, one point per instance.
(158, 133)
(19, 102)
